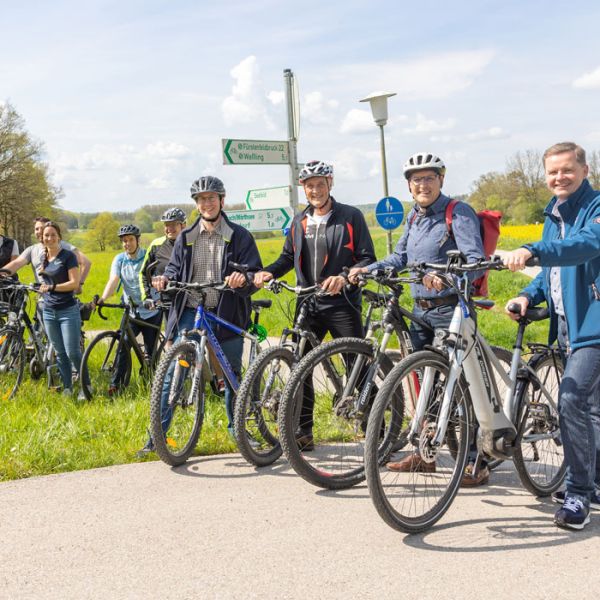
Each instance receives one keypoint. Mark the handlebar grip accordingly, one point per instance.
(514, 308)
(534, 261)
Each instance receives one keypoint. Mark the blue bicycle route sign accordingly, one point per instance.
(389, 212)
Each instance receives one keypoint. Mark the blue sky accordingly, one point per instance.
(132, 98)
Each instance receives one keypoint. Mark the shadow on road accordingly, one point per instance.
(193, 468)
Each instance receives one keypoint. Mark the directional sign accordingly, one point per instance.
(273, 197)
(269, 219)
(255, 152)
(389, 212)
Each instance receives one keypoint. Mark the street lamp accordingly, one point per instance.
(378, 102)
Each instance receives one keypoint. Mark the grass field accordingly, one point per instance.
(42, 432)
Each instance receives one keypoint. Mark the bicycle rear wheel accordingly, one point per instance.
(539, 457)
(257, 404)
(99, 364)
(412, 498)
(12, 362)
(336, 462)
(177, 403)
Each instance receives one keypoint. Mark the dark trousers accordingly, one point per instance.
(148, 335)
(339, 321)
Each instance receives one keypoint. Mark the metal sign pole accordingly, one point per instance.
(292, 120)
(385, 184)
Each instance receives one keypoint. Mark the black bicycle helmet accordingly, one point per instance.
(208, 183)
(173, 214)
(129, 230)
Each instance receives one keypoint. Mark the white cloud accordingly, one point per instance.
(247, 102)
(276, 98)
(435, 76)
(492, 133)
(158, 183)
(98, 157)
(317, 109)
(425, 125)
(354, 164)
(588, 81)
(357, 121)
(167, 150)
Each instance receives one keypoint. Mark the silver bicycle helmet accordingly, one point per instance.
(173, 214)
(421, 161)
(315, 168)
(129, 230)
(207, 183)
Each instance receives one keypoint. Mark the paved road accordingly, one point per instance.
(217, 528)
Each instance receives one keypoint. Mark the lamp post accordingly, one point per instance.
(378, 102)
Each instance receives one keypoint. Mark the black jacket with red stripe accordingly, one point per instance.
(349, 244)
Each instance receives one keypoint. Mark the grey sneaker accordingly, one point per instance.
(81, 396)
(559, 498)
(68, 392)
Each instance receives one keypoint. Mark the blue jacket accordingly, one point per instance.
(240, 248)
(578, 255)
(426, 239)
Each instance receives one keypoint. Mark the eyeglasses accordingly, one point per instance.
(427, 179)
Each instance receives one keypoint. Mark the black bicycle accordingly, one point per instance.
(99, 362)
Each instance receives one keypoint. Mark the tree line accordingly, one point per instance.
(26, 191)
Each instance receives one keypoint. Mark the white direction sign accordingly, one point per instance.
(269, 219)
(255, 152)
(272, 197)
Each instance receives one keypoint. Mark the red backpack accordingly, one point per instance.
(489, 226)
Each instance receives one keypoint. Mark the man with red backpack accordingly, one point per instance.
(435, 225)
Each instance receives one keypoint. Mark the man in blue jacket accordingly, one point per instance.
(204, 252)
(569, 282)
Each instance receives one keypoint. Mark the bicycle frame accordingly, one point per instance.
(469, 353)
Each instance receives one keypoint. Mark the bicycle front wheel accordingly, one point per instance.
(12, 362)
(257, 404)
(177, 403)
(539, 457)
(99, 365)
(320, 432)
(413, 491)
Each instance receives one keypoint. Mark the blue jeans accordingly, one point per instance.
(232, 348)
(579, 410)
(63, 327)
(438, 318)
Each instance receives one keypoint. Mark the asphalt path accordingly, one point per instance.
(218, 528)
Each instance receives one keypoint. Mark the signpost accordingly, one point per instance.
(389, 212)
(269, 219)
(272, 197)
(255, 152)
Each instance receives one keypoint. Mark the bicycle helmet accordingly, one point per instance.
(173, 214)
(421, 161)
(129, 230)
(315, 168)
(207, 183)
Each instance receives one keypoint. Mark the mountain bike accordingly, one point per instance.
(177, 400)
(99, 362)
(259, 396)
(23, 341)
(457, 384)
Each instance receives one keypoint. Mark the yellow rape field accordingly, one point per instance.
(512, 236)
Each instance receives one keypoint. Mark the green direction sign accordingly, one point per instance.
(273, 197)
(255, 152)
(269, 219)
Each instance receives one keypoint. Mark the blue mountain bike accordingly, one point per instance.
(177, 401)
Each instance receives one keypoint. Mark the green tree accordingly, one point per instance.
(102, 232)
(143, 219)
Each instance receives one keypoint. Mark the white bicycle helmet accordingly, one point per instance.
(315, 168)
(421, 161)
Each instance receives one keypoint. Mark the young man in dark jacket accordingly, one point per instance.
(326, 237)
(204, 252)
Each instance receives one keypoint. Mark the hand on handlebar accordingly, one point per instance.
(522, 302)
(333, 284)
(261, 278)
(159, 283)
(354, 273)
(515, 260)
(236, 280)
(433, 281)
